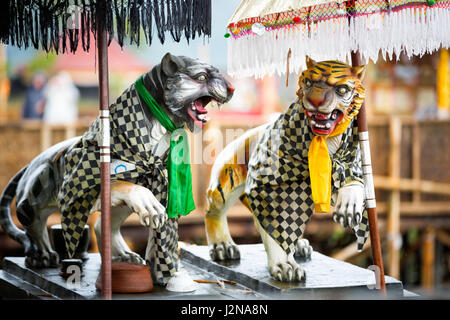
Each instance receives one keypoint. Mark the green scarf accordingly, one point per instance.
(180, 201)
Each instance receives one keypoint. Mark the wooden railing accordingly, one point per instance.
(388, 178)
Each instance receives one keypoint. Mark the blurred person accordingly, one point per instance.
(61, 100)
(35, 101)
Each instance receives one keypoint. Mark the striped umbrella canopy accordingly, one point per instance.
(261, 32)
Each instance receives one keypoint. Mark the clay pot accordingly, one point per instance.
(128, 278)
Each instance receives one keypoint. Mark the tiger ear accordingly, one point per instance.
(310, 62)
(359, 71)
(170, 64)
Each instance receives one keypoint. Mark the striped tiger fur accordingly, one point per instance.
(5, 211)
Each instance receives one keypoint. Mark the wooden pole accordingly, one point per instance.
(102, 49)
(416, 174)
(393, 221)
(428, 258)
(363, 132)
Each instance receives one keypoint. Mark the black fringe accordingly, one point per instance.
(46, 24)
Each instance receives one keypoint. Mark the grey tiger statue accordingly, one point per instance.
(183, 87)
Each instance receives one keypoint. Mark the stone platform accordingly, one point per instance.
(327, 278)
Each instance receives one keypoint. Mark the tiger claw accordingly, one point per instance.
(224, 251)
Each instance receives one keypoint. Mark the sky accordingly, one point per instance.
(215, 50)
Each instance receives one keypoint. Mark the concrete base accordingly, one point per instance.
(20, 282)
(327, 278)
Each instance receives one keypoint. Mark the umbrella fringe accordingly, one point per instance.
(387, 34)
(61, 26)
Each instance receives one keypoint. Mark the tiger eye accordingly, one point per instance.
(308, 83)
(342, 90)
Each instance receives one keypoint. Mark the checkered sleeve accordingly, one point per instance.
(346, 162)
(347, 167)
(80, 189)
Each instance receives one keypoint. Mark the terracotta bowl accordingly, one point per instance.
(128, 278)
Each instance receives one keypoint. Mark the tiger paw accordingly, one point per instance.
(224, 251)
(303, 249)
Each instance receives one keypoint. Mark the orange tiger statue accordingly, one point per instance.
(305, 161)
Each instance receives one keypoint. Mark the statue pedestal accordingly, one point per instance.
(327, 278)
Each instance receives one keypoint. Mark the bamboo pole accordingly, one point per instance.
(363, 132)
(416, 174)
(46, 136)
(102, 49)
(393, 221)
(428, 258)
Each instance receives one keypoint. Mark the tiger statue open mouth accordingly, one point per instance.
(330, 93)
(322, 123)
(66, 177)
(315, 139)
(198, 112)
(190, 86)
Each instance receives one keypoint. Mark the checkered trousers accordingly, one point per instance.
(162, 251)
(278, 186)
(129, 142)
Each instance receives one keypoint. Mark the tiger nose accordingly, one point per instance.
(316, 102)
(230, 88)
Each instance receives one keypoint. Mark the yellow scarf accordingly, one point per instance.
(319, 163)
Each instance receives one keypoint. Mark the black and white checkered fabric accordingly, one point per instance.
(130, 142)
(162, 251)
(278, 186)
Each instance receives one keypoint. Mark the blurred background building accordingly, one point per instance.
(409, 121)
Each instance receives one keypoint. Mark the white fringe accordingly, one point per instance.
(411, 31)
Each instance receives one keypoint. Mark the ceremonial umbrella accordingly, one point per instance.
(264, 34)
(66, 26)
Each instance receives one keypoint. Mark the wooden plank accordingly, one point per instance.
(423, 208)
(402, 184)
(443, 237)
(350, 251)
